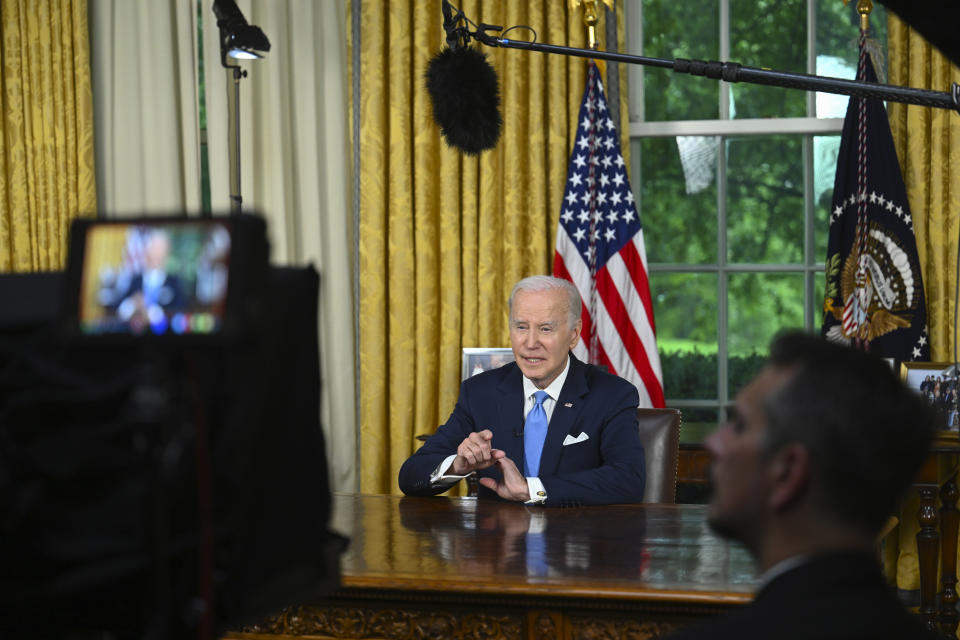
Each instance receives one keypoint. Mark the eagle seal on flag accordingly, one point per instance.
(883, 299)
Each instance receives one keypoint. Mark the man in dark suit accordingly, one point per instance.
(818, 451)
(154, 293)
(575, 443)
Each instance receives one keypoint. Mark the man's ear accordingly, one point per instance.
(789, 475)
(576, 333)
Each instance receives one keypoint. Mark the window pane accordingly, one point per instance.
(688, 374)
(760, 305)
(678, 226)
(742, 368)
(765, 199)
(685, 311)
(838, 29)
(768, 34)
(687, 29)
(825, 150)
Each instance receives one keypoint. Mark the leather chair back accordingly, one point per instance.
(660, 435)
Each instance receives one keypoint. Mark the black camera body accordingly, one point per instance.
(162, 466)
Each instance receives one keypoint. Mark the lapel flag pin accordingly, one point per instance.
(568, 404)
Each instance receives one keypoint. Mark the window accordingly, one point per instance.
(734, 182)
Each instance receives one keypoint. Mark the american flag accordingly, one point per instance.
(134, 250)
(600, 250)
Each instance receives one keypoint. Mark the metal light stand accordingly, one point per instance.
(233, 136)
(234, 74)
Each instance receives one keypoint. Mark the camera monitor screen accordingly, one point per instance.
(157, 278)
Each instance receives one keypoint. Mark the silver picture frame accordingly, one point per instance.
(937, 382)
(478, 359)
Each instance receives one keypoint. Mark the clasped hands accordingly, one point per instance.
(476, 453)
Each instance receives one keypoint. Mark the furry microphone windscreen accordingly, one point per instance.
(466, 99)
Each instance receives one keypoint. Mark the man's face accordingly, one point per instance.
(157, 250)
(739, 470)
(540, 334)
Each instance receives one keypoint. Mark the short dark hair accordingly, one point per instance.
(866, 432)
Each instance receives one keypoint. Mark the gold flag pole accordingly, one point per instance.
(864, 7)
(590, 19)
(856, 308)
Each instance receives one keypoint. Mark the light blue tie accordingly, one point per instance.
(534, 433)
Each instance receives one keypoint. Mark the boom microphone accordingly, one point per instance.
(464, 90)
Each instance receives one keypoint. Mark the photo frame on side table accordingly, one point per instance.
(937, 382)
(478, 359)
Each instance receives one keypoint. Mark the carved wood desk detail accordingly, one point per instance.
(467, 568)
(933, 540)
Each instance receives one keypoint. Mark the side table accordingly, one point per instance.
(933, 540)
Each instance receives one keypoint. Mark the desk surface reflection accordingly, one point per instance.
(648, 552)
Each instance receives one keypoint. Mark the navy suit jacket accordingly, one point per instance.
(605, 468)
(834, 596)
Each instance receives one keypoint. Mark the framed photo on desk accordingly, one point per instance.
(479, 359)
(937, 382)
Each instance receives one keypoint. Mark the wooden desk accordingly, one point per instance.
(462, 567)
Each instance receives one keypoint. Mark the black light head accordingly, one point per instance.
(238, 39)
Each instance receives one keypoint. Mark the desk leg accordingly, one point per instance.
(927, 548)
(949, 524)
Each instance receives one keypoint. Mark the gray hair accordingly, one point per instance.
(545, 283)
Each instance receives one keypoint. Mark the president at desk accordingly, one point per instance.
(545, 429)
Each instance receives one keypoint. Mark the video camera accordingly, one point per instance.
(162, 466)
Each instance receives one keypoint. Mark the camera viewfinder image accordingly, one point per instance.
(164, 279)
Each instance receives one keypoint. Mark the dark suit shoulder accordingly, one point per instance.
(838, 596)
(597, 378)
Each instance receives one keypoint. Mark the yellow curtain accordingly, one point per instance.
(46, 133)
(443, 236)
(928, 147)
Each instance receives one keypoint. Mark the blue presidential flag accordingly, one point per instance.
(874, 290)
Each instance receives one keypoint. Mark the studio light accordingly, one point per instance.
(246, 42)
(238, 39)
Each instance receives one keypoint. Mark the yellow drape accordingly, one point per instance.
(928, 147)
(46, 133)
(442, 236)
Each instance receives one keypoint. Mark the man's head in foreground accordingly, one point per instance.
(817, 451)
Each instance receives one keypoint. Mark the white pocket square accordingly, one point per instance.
(571, 440)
